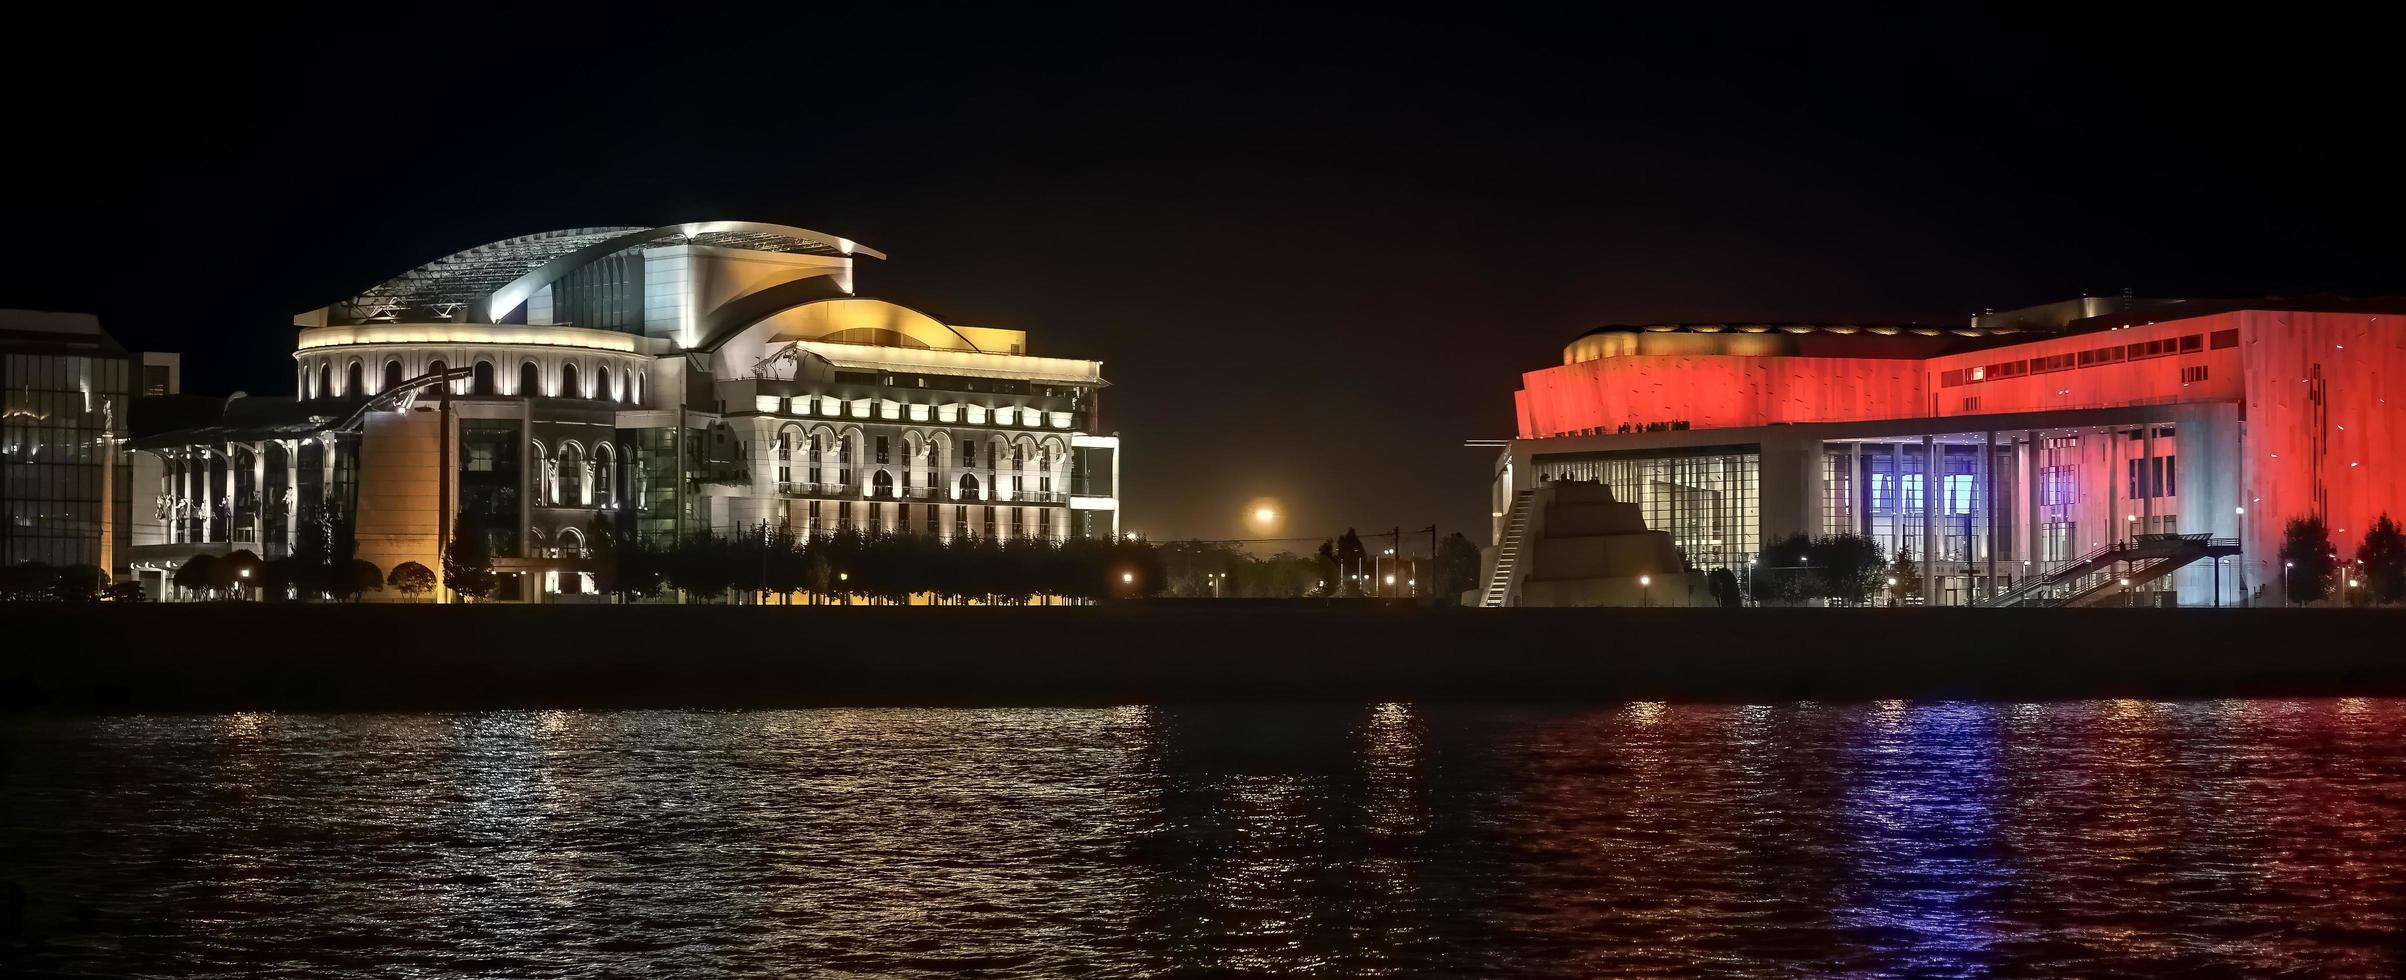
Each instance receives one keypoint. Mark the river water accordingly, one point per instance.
(2227, 838)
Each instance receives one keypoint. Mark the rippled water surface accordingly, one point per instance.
(2239, 838)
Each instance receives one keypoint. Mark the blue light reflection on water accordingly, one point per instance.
(1922, 814)
(1946, 839)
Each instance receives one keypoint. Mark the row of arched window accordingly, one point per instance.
(569, 479)
(603, 384)
(570, 544)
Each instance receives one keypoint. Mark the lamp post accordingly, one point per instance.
(1645, 584)
(1892, 591)
(2285, 567)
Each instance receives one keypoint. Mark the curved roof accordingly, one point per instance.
(494, 279)
(1836, 328)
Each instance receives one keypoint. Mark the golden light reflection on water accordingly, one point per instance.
(1887, 839)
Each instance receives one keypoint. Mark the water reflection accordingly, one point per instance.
(1892, 839)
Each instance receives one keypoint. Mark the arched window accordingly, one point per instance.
(968, 487)
(881, 485)
(534, 543)
(436, 367)
(601, 384)
(483, 384)
(572, 476)
(603, 459)
(325, 381)
(572, 543)
(568, 388)
(530, 380)
(356, 384)
(392, 374)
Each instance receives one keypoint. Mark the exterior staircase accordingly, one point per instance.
(1507, 553)
(2091, 580)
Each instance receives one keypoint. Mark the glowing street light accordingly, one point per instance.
(1127, 578)
(1645, 584)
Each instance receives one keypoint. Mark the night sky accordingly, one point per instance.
(1313, 254)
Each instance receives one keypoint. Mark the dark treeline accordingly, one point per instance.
(1341, 567)
(2312, 569)
(1838, 569)
(771, 564)
(35, 581)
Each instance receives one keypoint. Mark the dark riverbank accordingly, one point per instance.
(227, 657)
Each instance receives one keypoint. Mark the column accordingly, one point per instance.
(1929, 520)
(2032, 493)
(1988, 511)
(2115, 526)
(2147, 485)
(1856, 513)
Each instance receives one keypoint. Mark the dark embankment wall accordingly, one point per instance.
(242, 656)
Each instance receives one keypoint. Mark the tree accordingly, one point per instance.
(244, 569)
(124, 592)
(357, 576)
(1352, 560)
(1331, 572)
(2308, 562)
(601, 553)
(642, 569)
(1784, 573)
(203, 573)
(1907, 575)
(411, 579)
(1724, 586)
(468, 559)
(31, 581)
(79, 583)
(1846, 568)
(309, 569)
(1457, 568)
(2382, 554)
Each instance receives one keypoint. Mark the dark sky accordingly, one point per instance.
(1312, 253)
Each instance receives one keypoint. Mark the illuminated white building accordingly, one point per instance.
(670, 382)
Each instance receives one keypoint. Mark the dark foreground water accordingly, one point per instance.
(2231, 838)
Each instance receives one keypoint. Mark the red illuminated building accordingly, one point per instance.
(2010, 457)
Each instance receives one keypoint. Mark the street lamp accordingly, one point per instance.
(1127, 578)
(1645, 584)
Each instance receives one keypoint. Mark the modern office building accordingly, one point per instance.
(706, 378)
(65, 389)
(2040, 456)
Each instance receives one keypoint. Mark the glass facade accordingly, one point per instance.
(1710, 499)
(490, 480)
(58, 415)
(657, 478)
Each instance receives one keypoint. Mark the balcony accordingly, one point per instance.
(818, 491)
(920, 494)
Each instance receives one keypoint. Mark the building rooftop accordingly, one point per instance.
(490, 282)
